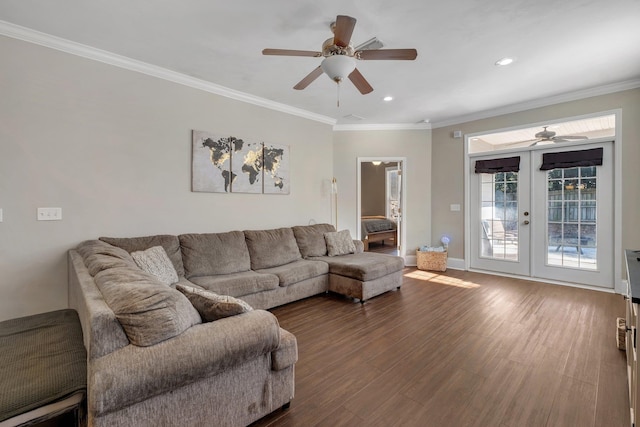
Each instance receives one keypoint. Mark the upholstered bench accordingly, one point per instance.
(43, 368)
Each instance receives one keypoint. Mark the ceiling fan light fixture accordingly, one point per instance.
(504, 61)
(337, 67)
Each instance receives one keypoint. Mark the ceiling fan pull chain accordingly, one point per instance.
(338, 102)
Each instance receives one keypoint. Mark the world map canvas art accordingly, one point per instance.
(228, 164)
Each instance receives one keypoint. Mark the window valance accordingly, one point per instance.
(507, 164)
(571, 159)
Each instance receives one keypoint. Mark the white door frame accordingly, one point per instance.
(403, 197)
(617, 181)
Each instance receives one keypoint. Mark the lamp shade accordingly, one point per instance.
(337, 67)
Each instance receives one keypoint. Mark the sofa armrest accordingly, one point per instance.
(134, 374)
(287, 352)
(101, 330)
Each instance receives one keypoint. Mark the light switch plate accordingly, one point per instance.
(49, 214)
(455, 208)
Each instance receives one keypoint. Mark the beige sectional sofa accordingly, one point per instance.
(152, 360)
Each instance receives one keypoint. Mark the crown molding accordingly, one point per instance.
(542, 102)
(47, 40)
(36, 37)
(389, 126)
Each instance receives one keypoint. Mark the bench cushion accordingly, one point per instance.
(42, 360)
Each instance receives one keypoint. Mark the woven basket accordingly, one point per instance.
(434, 261)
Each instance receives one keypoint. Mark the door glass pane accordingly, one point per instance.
(499, 216)
(571, 218)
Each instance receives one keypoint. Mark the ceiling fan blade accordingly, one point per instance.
(343, 30)
(308, 79)
(289, 52)
(565, 137)
(402, 54)
(360, 82)
(509, 144)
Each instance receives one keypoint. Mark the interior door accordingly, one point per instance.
(393, 195)
(500, 216)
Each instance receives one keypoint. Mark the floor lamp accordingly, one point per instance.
(334, 198)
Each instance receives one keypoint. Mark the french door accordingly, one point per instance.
(499, 204)
(554, 224)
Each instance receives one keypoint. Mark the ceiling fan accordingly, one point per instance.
(550, 136)
(547, 137)
(340, 56)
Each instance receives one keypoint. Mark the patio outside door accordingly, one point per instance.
(554, 224)
(499, 209)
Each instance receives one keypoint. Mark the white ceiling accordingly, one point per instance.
(563, 49)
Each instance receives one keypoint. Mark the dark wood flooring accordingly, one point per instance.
(458, 349)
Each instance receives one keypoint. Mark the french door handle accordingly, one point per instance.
(525, 222)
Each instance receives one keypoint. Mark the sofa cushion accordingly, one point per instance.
(156, 262)
(214, 253)
(310, 239)
(364, 266)
(149, 311)
(98, 255)
(297, 271)
(271, 248)
(238, 284)
(339, 243)
(170, 244)
(212, 306)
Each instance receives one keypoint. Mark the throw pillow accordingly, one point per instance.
(155, 261)
(212, 306)
(339, 243)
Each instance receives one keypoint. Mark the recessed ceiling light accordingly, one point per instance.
(387, 98)
(504, 61)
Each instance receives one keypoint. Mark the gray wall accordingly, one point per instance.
(448, 162)
(415, 145)
(372, 188)
(112, 148)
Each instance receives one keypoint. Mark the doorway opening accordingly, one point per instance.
(380, 207)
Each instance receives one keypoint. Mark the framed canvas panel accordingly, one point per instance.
(276, 169)
(246, 166)
(211, 163)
